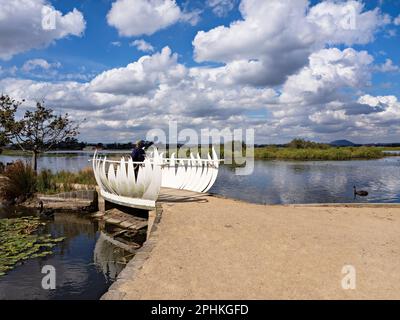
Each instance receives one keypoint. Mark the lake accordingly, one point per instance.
(290, 182)
(86, 264)
(286, 182)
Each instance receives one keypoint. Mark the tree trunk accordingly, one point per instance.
(34, 160)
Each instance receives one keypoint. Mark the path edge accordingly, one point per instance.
(127, 275)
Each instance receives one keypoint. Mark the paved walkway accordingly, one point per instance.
(213, 248)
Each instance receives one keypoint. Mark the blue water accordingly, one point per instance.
(289, 182)
(85, 264)
(286, 182)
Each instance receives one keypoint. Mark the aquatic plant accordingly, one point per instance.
(84, 176)
(45, 182)
(19, 241)
(62, 181)
(331, 153)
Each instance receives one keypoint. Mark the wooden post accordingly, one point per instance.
(100, 200)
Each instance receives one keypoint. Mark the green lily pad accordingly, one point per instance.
(19, 241)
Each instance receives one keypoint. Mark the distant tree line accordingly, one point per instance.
(305, 144)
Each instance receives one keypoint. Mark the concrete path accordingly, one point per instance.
(214, 248)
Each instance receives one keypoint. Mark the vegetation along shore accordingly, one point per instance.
(297, 149)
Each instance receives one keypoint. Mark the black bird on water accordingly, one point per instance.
(45, 213)
(361, 193)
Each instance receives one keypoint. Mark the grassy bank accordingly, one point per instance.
(20, 153)
(314, 152)
(49, 182)
(19, 182)
(331, 153)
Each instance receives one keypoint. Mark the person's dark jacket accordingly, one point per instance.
(138, 155)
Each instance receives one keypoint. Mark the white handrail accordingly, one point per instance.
(166, 159)
(123, 180)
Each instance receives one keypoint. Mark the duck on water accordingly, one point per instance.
(361, 193)
(45, 213)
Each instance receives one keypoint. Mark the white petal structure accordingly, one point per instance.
(193, 174)
(138, 184)
(130, 184)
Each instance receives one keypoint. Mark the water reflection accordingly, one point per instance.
(71, 161)
(286, 182)
(109, 258)
(278, 182)
(78, 275)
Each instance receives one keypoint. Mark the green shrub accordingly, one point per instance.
(62, 181)
(84, 176)
(20, 181)
(45, 183)
(305, 144)
(331, 153)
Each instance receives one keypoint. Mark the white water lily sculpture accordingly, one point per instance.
(119, 184)
(193, 174)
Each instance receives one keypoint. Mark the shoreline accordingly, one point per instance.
(261, 154)
(209, 247)
(316, 204)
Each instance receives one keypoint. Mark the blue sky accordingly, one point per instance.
(95, 50)
(233, 83)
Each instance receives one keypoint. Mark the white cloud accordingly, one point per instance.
(33, 64)
(21, 26)
(156, 88)
(277, 37)
(397, 21)
(315, 102)
(138, 17)
(279, 76)
(142, 76)
(346, 22)
(142, 45)
(146, 94)
(328, 70)
(388, 66)
(221, 7)
(387, 111)
(116, 43)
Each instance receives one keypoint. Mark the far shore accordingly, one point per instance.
(260, 153)
(208, 247)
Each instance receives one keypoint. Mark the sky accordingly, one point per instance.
(319, 70)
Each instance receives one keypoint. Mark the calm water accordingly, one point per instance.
(284, 182)
(85, 263)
